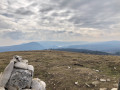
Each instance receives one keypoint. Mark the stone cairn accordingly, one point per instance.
(18, 75)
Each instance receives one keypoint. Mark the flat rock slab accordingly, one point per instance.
(2, 88)
(20, 79)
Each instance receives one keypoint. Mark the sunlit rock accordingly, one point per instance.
(2, 88)
(21, 65)
(31, 68)
(37, 84)
(6, 74)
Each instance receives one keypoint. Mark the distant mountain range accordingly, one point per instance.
(22, 47)
(59, 44)
(39, 45)
(108, 47)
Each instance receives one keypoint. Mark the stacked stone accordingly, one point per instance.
(18, 75)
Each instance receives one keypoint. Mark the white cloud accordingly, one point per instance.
(62, 20)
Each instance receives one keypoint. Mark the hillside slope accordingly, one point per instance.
(83, 51)
(70, 71)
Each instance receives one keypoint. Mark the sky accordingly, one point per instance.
(58, 20)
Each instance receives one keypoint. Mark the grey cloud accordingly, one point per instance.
(71, 33)
(34, 4)
(90, 22)
(91, 13)
(8, 15)
(46, 9)
(5, 25)
(57, 32)
(15, 35)
(23, 11)
(61, 15)
(72, 4)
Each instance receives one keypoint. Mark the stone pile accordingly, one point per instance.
(18, 75)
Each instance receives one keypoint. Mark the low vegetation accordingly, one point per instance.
(70, 71)
(83, 51)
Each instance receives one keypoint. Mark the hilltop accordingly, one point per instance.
(69, 70)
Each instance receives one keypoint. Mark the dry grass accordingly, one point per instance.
(60, 70)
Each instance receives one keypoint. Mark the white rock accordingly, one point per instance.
(103, 88)
(6, 74)
(31, 68)
(97, 70)
(115, 68)
(41, 82)
(2, 88)
(87, 84)
(103, 80)
(68, 67)
(95, 83)
(108, 80)
(114, 89)
(25, 61)
(0, 75)
(21, 65)
(76, 83)
(17, 58)
(37, 84)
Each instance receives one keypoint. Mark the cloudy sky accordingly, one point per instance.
(59, 20)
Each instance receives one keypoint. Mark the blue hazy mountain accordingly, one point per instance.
(22, 47)
(59, 44)
(39, 45)
(109, 46)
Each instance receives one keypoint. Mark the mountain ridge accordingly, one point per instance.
(22, 47)
(108, 46)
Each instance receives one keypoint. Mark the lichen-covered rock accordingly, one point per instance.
(20, 79)
(12, 88)
(31, 68)
(37, 84)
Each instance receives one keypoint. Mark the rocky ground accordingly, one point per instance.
(71, 71)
